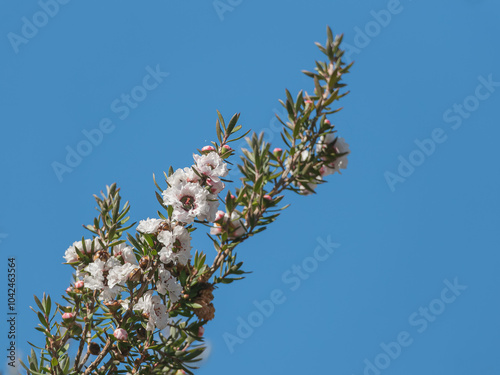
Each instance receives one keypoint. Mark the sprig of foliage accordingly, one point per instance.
(112, 311)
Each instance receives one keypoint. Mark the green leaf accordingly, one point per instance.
(319, 89)
(221, 119)
(232, 123)
(296, 130)
(329, 34)
(48, 306)
(194, 305)
(40, 306)
(218, 130)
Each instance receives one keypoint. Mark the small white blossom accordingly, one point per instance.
(325, 141)
(149, 225)
(71, 256)
(211, 165)
(236, 224)
(167, 283)
(119, 274)
(109, 294)
(126, 252)
(107, 277)
(177, 245)
(154, 309)
(189, 201)
(215, 186)
(340, 147)
(125, 304)
(304, 191)
(95, 279)
(181, 177)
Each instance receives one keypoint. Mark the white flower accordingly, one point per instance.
(236, 224)
(167, 283)
(182, 176)
(211, 165)
(213, 206)
(325, 141)
(125, 304)
(109, 294)
(177, 245)
(149, 225)
(340, 147)
(304, 155)
(304, 191)
(154, 309)
(215, 186)
(190, 201)
(95, 278)
(119, 274)
(126, 252)
(71, 256)
(107, 277)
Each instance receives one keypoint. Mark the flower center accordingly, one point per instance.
(188, 202)
(157, 311)
(176, 246)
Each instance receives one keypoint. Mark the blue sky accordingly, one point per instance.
(411, 284)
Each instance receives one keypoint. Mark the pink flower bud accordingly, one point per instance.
(208, 148)
(201, 331)
(308, 101)
(268, 197)
(227, 147)
(120, 334)
(219, 215)
(327, 122)
(79, 284)
(277, 150)
(69, 289)
(68, 315)
(232, 196)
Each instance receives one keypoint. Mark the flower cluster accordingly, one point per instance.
(139, 300)
(192, 192)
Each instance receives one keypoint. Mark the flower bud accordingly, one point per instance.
(227, 148)
(201, 331)
(268, 197)
(208, 148)
(327, 122)
(277, 151)
(69, 289)
(120, 334)
(219, 215)
(79, 284)
(68, 316)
